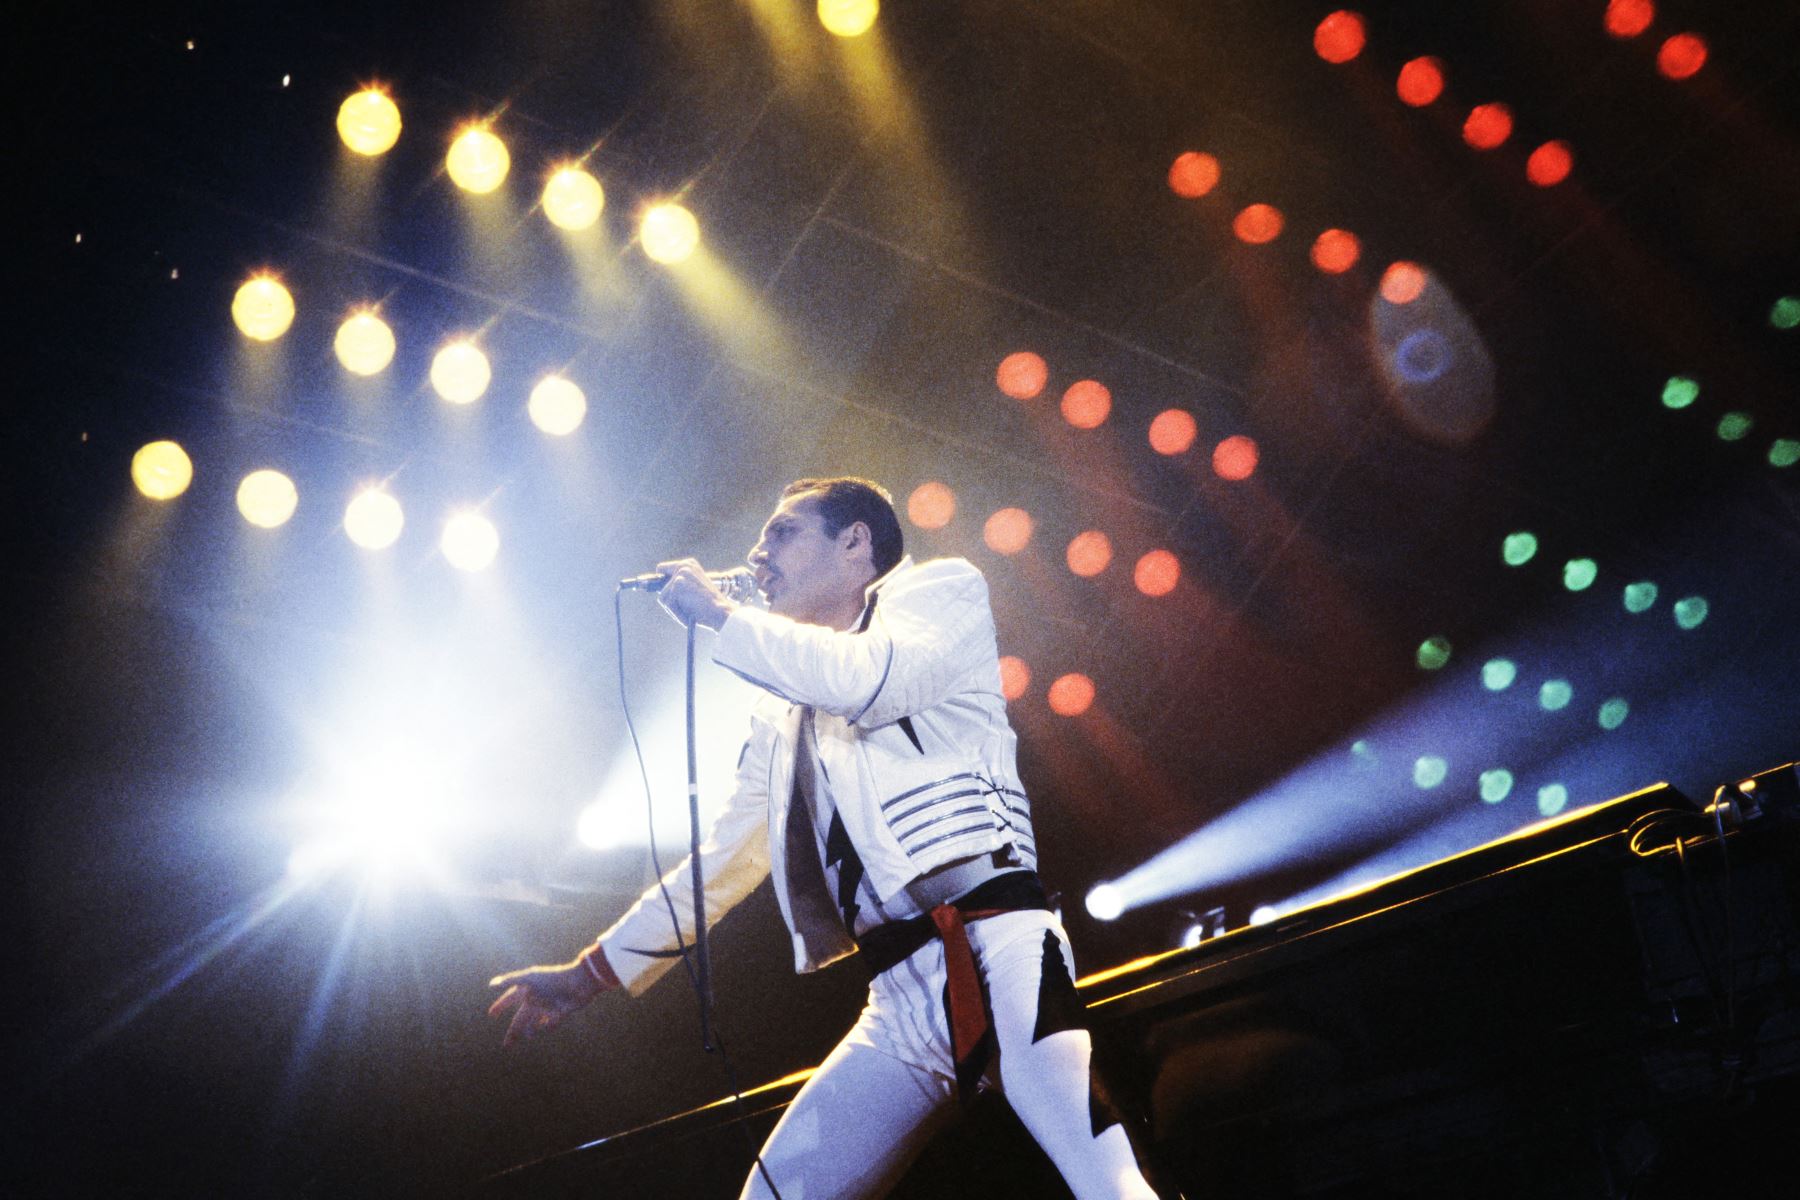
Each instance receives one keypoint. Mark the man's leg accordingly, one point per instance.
(1044, 1059)
(853, 1129)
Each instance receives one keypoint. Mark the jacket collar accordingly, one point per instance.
(872, 592)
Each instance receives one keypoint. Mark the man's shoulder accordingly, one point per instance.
(935, 572)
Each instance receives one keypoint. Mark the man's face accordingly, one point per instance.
(805, 573)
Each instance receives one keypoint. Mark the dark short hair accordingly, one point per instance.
(844, 500)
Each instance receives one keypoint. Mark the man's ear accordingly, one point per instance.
(855, 535)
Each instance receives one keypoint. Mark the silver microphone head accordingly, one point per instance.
(738, 584)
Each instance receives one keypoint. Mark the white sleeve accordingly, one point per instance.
(930, 629)
(734, 858)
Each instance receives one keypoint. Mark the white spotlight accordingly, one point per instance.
(1105, 902)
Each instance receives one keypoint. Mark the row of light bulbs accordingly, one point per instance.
(267, 499)
(263, 310)
(479, 162)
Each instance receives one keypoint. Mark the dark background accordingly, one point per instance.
(898, 215)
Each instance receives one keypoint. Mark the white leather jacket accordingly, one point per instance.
(912, 736)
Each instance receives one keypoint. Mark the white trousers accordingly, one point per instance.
(852, 1130)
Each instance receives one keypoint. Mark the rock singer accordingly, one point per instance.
(879, 790)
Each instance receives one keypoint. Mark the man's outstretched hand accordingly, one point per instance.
(540, 997)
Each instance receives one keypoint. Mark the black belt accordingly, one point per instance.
(887, 946)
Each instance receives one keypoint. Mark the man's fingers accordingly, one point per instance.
(511, 997)
(522, 1023)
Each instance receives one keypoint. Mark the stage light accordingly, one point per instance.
(1579, 574)
(1682, 56)
(460, 372)
(267, 498)
(1429, 770)
(162, 470)
(1488, 126)
(373, 519)
(1157, 573)
(573, 199)
(1497, 674)
(1639, 596)
(1734, 426)
(369, 122)
(1022, 375)
(1015, 677)
(1518, 548)
(478, 161)
(1089, 553)
(1690, 611)
(1402, 283)
(1496, 785)
(669, 232)
(931, 505)
(1783, 314)
(1235, 458)
(1262, 914)
(262, 309)
(1172, 431)
(1071, 695)
(1421, 81)
(1784, 452)
(1628, 18)
(1613, 712)
(848, 18)
(1554, 695)
(1340, 37)
(1193, 174)
(1258, 224)
(556, 406)
(1086, 403)
(1434, 653)
(1552, 798)
(1336, 251)
(1105, 902)
(1007, 531)
(364, 343)
(469, 541)
(1550, 164)
(1679, 392)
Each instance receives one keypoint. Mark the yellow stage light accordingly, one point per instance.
(267, 498)
(573, 199)
(369, 122)
(263, 309)
(848, 18)
(556, 406)
(162, 470)
(469, 541)
(460, 373)
(364, 343)
(373, 519)
(669, 232)
(478, 160)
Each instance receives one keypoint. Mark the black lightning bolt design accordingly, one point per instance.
(840, 853)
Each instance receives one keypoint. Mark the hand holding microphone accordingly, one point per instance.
(693, 595)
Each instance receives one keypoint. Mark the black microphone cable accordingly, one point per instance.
(709, 1036)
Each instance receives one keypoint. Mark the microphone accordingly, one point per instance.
(738, 584)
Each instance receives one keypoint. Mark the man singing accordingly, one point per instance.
(879, 789)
